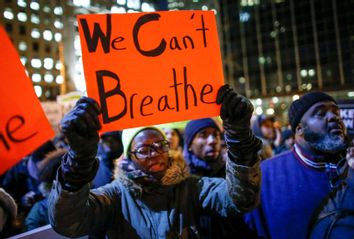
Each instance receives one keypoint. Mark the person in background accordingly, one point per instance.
(263, 128)
(43, 164)
(175, 139)
(287, 141)
(202, 148)
(204, 157)
(294, 183)
(153, 196)
(110, 148)
(8, 213)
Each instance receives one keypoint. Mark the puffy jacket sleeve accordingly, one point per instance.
(75, 214)
(233, 196)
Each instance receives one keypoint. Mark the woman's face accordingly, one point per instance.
(172, 138)
(150, 152)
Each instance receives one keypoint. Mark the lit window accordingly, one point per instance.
(122, 2)
(270, 111)
(145, 7)
(8, 14)
(48, 78)
(116, 9)
(303, 73)
(24, 60)
(48, 93)
(34, 19)
(36, 77)
(36, 63)
(21, 3)
(22, 46)
(59, 79)
(47, 35)
(58, 65)
(22, 17)
(35, 33)
(38, 90)
(34, 5)
(57, 36)
(77, 45)
(58, 10)
(134, 4)
(311, 72)
(58, 24)
(48, 63)
(46, 9)
(259, 110)
(82, 3)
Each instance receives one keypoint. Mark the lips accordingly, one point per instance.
(336, 129)
(157, 167)
(211, 152)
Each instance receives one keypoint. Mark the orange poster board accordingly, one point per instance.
(151, 68)
(23, 125)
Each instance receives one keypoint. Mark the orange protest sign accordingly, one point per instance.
(151, 68)
(23, 125)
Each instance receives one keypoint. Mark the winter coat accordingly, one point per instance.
(140, 208)
(38, 216)
(291, 191)
(335, 218)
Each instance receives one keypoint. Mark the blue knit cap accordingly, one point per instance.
(195, 126)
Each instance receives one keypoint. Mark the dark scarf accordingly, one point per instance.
(201, 167)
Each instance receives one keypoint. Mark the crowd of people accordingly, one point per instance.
(241, 177)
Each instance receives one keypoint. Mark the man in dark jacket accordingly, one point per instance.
(203, 154)
(294, 183)
(153, 197)
(202, 148)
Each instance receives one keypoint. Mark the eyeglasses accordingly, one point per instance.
(145, 151)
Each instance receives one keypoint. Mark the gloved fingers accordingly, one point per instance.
(233, 103)
(229, 103)
(91, 102)
(89, 114)
(222, 92)
(94, 117)
(245, 108)
(88, 120)
(66, 123)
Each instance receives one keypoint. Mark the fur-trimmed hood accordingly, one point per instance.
(175, 174)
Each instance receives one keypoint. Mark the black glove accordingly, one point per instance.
(236, 112)
(80, 126)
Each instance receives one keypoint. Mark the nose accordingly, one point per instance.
(211, 139)
(333, 117)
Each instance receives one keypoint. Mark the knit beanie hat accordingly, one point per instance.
(128, 136)
(299, 107)
(194, 126)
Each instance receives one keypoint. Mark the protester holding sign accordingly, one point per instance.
(152, 197)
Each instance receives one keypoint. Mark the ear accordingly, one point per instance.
(299, 130)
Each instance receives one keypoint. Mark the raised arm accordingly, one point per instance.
(240, 192)
(73, 209)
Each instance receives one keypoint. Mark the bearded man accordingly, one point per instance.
(294, 183)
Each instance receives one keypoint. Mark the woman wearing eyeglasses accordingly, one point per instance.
(153, 195)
